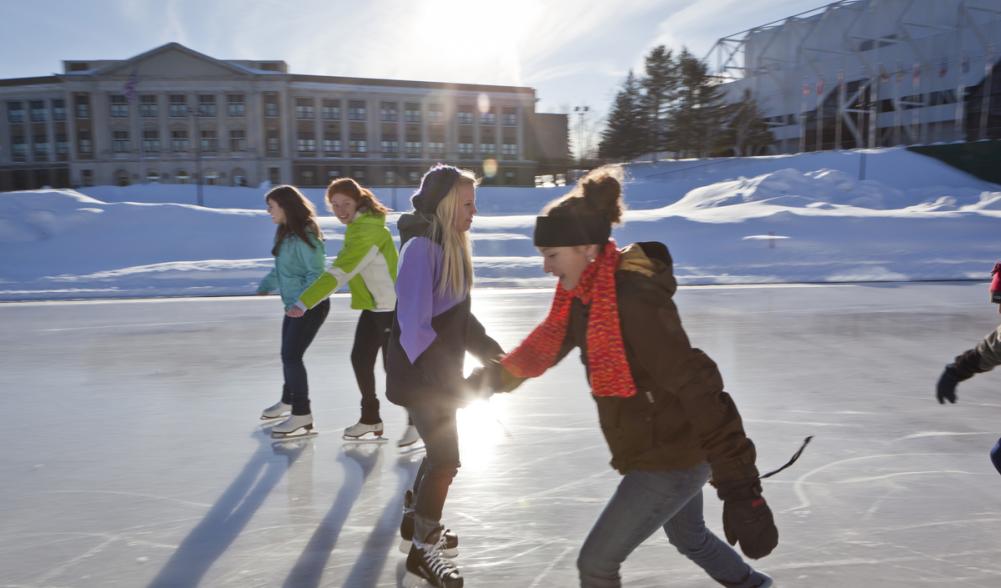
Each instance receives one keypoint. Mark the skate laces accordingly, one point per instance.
(434, 557)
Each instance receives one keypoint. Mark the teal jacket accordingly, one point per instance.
(366, 263)
(297, 265)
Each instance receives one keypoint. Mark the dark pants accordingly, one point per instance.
(371, 335)
(996, 455)
(436, 424)
(297, 334)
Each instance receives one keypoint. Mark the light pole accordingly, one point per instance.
(581, 111)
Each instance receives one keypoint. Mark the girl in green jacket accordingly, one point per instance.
(367, 264)
(299, 260)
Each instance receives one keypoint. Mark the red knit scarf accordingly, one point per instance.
(606, 353)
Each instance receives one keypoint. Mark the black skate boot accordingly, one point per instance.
(426, 563)
(451, 548)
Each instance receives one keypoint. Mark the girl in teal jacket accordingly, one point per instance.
(299, 260)
(367, 264)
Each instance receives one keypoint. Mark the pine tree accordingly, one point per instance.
(747, 131)
(625, 136)
(697, 122)
(660, 86)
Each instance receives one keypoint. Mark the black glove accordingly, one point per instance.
(478, 384)
(747, 518)
(966, 365)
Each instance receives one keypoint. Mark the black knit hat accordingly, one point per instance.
(566, 230)
(434, 187)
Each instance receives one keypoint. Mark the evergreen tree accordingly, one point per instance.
(660, 88)
(747, 132)
(626, 134)
(697, 122)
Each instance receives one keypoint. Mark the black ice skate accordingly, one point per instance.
(426, 563)
(451, 547)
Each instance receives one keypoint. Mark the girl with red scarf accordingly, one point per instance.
(661, 404)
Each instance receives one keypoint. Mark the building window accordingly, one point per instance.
(235, 105)
(62, 147)
(206, 105)
(59, 109)
(306, 144)
(271, 109)
(357, 110)
(509, 149)
(412, 112)
(37, 110)
(148, 106)
(151, 141)
(390, 147)
(465, 115)
(435, 113)
(509, 176)
(436, 148)
(358, 146)
(388, 112)
(87, 177)
(182, 177)
(211, 177)
(208, 142)
(239, 177)
(465, 148)
(389, 176)
(488, 148)
(82, 106)
(488, 118)
(15, 112)
(413, 148)
(304, 108)
(119, 106)
(121, 178)
(179, 140)
(152, 177)
(178, 105)
(413, 177)
(331, 146)
(358, 174)
(509, 117)
(331, 109)
(272, 143)
(308, 177)
(18, 149)
(274, 175)
(120, 141)
(237, 140)
(85, 145)
(41, 147)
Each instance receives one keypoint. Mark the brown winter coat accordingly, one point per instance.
(989, 351)
(680, 415)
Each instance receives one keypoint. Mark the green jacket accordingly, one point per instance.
(297, 265)
(367, 263)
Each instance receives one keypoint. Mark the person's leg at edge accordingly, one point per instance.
(437, 426)
(643, 502)
(687, 531)
(296, 338)
(368, 341)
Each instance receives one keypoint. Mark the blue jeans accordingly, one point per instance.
(646, 501)
(297, 334)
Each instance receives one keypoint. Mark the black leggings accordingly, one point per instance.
(297, 334)
(371, 335)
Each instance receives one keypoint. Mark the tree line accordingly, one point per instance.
(678, 107)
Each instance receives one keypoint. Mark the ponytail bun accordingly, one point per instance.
(598, 193)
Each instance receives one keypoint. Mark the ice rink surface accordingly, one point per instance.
(133, 454)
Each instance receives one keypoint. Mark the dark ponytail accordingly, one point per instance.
(599, 193)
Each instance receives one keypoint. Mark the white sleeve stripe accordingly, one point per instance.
(343, 277)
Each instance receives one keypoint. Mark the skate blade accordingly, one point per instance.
(364, 439)
(269, 418)
(297, 434)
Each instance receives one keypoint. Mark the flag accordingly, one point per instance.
(916, 74)
(943, 68)
(820, 87)
(900, 72)
(806, 88)
(129, 87)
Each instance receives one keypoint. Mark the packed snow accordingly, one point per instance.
(780, 219)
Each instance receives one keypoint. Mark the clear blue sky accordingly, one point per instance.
(573, 52)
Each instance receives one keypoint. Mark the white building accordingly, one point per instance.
(871, 73)
(175, 115)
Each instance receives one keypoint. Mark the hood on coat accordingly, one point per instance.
(651, 260)
(413, 224)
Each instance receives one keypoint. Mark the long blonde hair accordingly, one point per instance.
(457, 259)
